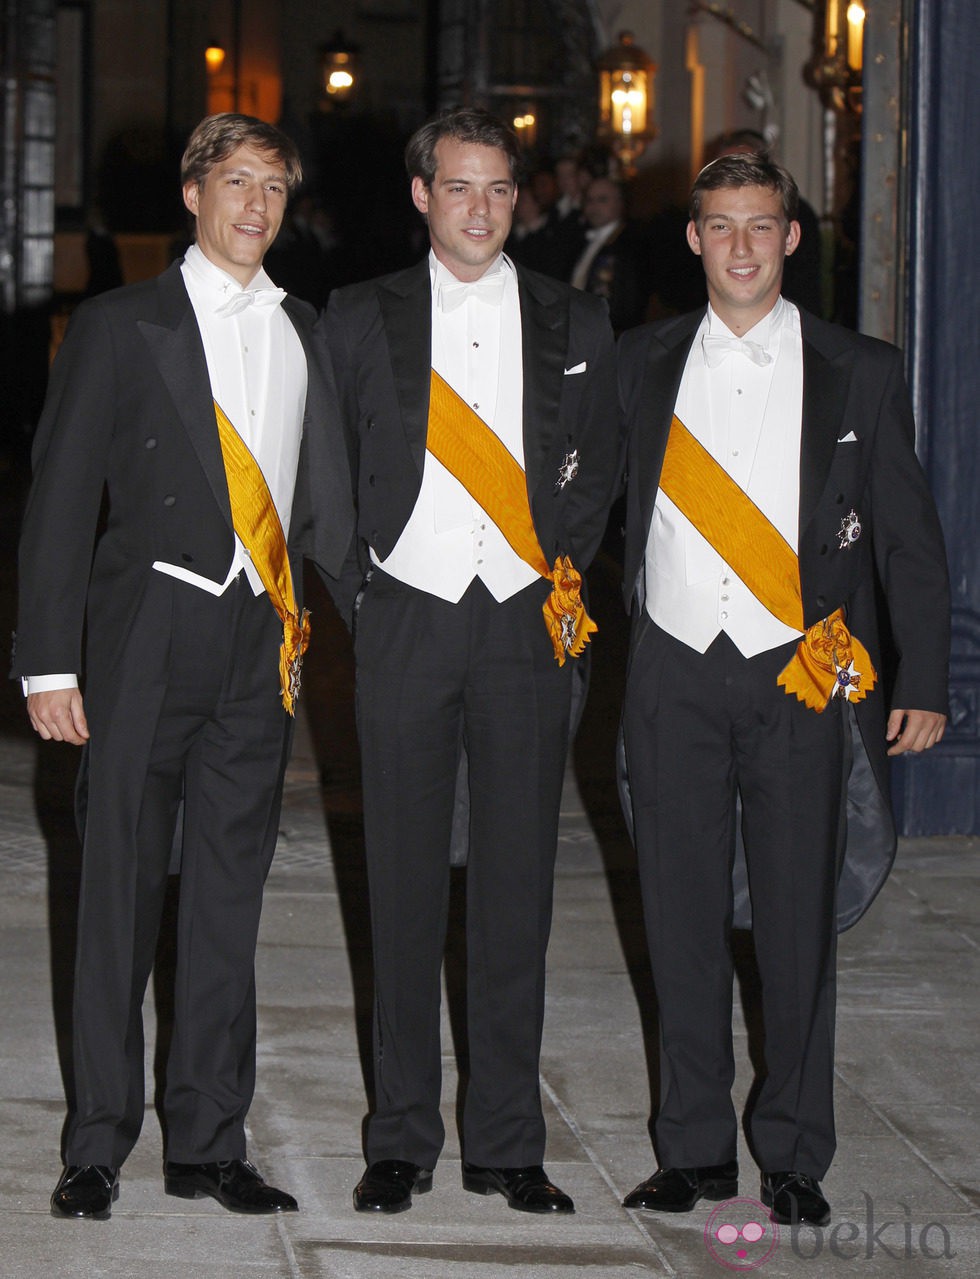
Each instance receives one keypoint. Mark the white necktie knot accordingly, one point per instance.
(453, 293)
(718, 347)
(250, 297)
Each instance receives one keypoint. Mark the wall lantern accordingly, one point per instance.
(838, 53)
(338, 67)
(626, 100)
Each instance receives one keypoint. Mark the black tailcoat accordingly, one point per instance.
(180, 693)
(699, 728)
(851, 384)
(434, 677)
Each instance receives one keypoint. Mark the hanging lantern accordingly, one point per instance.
(338, 67)
(626, 100)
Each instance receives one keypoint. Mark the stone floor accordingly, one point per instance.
(904, 1187)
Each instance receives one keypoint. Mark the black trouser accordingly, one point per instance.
(700, 729)
(189, 709)
(429, 675)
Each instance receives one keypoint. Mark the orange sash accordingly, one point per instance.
(829, 660)
(464, 444)
(256, 521)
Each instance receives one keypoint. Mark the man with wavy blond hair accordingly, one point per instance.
(192, 406)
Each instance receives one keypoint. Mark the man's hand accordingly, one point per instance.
(59, 716)
(921, 730)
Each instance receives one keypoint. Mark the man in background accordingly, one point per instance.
(610, 264)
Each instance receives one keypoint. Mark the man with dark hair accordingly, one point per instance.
(802, 272)
(466, 126)
(194, 404)
(483, 397)
(773, 487)
(751, 170)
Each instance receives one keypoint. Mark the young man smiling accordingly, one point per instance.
(180, 400)
(743, 237)
(773, 485)
(456, 372)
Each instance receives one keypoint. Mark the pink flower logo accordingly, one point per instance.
(739, 1234)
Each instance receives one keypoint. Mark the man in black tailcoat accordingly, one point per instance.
(192, 630)
(772, 484)
(459, 371)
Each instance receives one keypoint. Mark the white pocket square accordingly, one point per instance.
(849, 438)
(578, 368)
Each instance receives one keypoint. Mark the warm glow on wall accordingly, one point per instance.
(855, 35)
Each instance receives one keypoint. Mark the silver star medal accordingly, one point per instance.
(295, 677)
(568, 469)
(567, 631)
(848, 681)
(849, 531)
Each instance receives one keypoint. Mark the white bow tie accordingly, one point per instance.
(249, 297)
(453, 293)
(716, 348)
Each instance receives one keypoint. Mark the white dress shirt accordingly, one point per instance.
(476, 347)
(748, 416)
(257, 368)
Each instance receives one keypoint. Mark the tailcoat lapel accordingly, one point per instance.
(406, 311)
(327, 454)
(827, 367)
(544, 341)
(661, 382)
(175, 344)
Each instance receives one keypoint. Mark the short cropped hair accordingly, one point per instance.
(462, 124)
(217, 136)
(742, 170)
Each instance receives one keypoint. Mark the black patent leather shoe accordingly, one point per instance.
(794, 1199)
(86, 1190)
(235, 1183)
(387, 1186)
(679, 1189)
(526, 1189)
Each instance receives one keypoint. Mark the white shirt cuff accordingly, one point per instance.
(47, 683)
